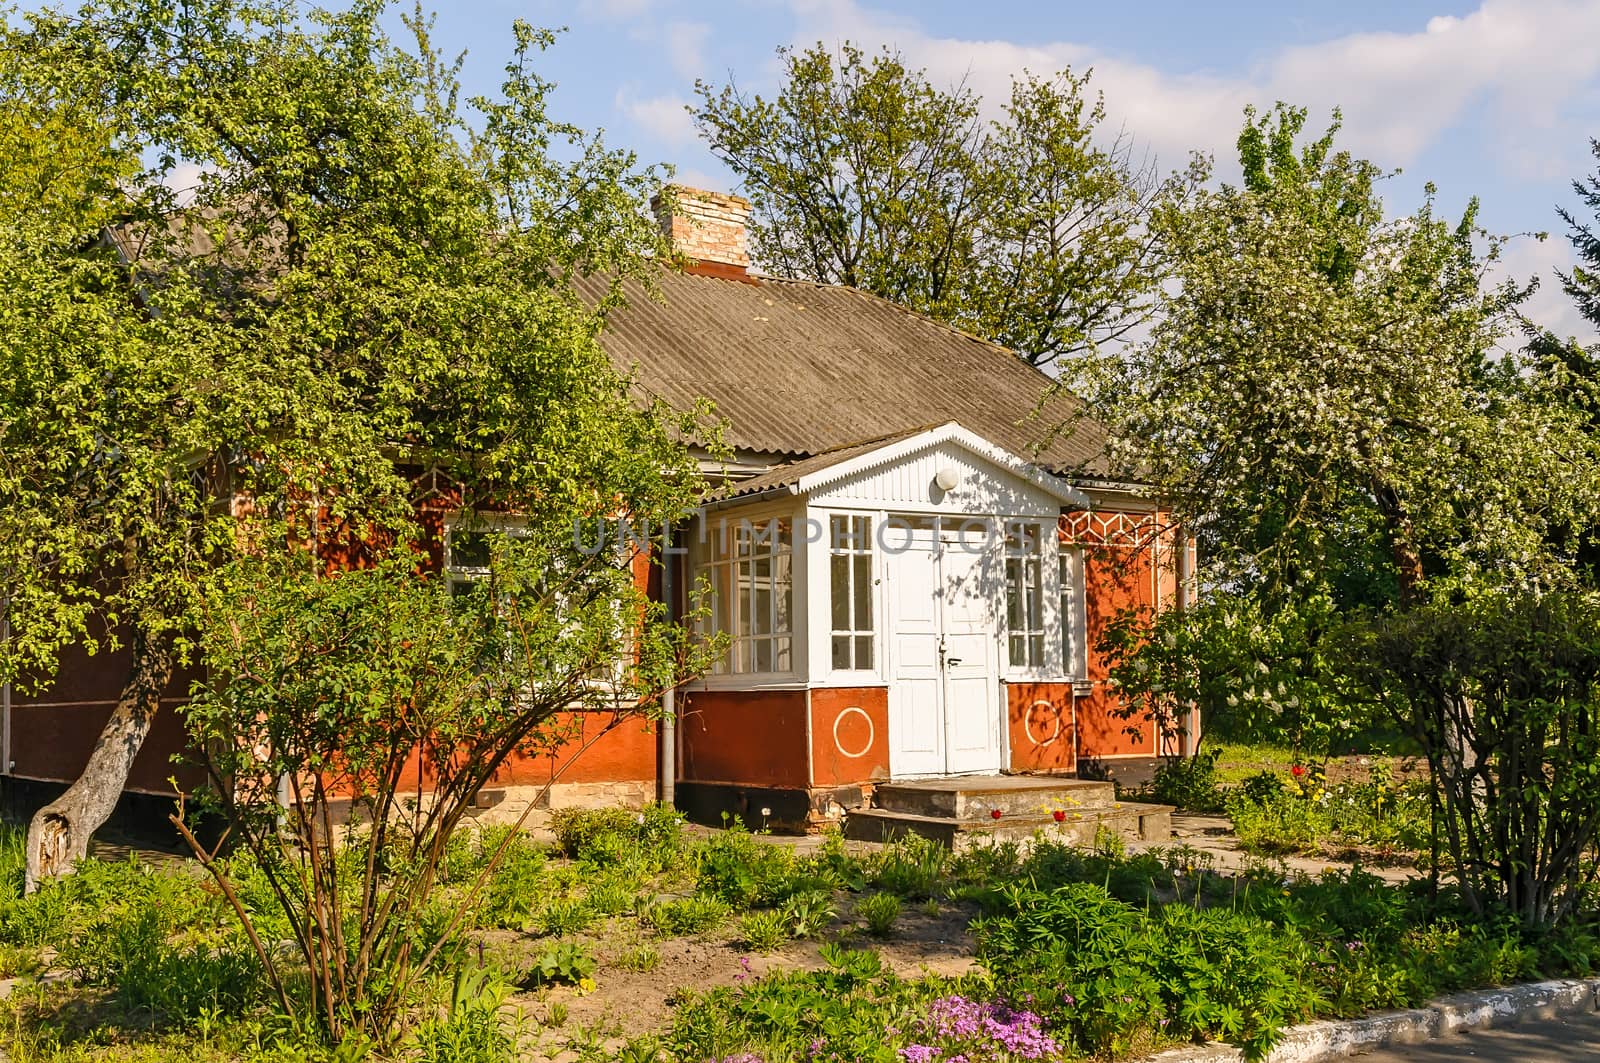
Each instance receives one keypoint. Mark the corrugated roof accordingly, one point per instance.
(791, 473)
(799, 368)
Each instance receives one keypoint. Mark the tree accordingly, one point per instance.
(1583, 282)
(1325, 399)
(347, 690)
(1024, 230)
(364, 303)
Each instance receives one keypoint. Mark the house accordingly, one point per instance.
(911, 565)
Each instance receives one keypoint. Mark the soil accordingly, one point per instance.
(631, 1003)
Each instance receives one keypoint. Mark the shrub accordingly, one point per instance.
(881, 911)
(1188, 782)
(687, 915)
(764, 930)
(510, 894)
(736, 868)
(649, 839)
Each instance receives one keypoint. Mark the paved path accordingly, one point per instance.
(1569, 1039)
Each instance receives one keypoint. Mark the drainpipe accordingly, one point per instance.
(667, 773)
(1183, 600)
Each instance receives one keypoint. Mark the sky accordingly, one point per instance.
(1496, 99)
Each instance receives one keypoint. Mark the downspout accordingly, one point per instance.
(1183, 599)
(667, 759)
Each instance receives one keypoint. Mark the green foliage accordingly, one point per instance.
(510, 895)
(911, 867)
(1188, 782)
(1503, 691)
(688, 915)
(736, 868)
(810, 913)
(1273, 813)
(475, 1028)
(765, 930)
(881, 911)
(1029, 230)
(564, 962)
(639, 958)
(563, 916)
(1583, 283)
(848, 1007)
(650, 839)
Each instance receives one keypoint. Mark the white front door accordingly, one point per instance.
(944, 689)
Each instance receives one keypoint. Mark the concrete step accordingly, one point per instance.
(976, 797)
(1131, 820)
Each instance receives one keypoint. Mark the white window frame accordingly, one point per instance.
(517, 527)
(713, 559)
(858, 543)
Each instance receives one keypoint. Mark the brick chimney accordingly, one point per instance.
(707, 228)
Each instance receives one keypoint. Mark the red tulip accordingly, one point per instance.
(1297, 771)
(1061, 817)
(994, 813)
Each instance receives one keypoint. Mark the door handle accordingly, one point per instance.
(951, 662)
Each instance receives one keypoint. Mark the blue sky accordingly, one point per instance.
(1496, 99)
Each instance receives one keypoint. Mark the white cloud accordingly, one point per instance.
(686, 48)
(666, 118)
(1549, 306)
(1399, 91)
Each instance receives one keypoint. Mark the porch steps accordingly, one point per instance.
(960, 811)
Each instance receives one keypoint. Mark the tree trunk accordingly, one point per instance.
(59, 835)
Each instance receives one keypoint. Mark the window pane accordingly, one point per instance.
(863, 591)
(781, 661)
(1018, 651)
(763, 655)
(1035, 650)
(863, 651)
(783, 591)
(839, 580)
(1014, 593)
(841, 651)
(469, 549)
(1035, 597)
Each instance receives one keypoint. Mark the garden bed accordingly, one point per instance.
(634, 939)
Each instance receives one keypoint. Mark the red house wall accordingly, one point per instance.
(745, 736)
(849, 735)
(1128, 564)
(1039, 720)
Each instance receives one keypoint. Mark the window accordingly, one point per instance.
(850, 582)
(1024, 596)
(469, 551)
(751, 570)
(1067, 565)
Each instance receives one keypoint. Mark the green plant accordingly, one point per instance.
(881, 911)
(639, 958)
(766, 929)
(687, 915)
(733, 866)
(564, 916)
(511, 893)
(562, 962)
(911, 867)
(810, 913)
(1188, 782)
(474, 1027)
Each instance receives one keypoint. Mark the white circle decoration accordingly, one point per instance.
(872, 732)
(1027, 722)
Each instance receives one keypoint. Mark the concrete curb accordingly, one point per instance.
(1317, 1041)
